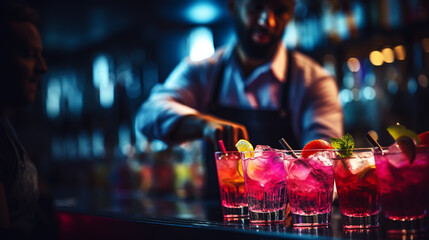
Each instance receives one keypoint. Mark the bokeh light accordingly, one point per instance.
(353, 64)
(423, 80)
(388, 55)
(425, 44)
(400, 52)
(376, 58)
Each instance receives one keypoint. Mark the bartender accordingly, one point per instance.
(254, 88)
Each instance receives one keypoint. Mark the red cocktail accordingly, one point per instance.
(358, 189)
(404, 186)
(231, 184)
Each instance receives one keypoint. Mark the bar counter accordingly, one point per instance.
(96, 214)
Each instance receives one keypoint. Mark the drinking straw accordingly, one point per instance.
(373, 141)
(222, 146)
(287, 147)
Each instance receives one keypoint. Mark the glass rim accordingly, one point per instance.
(419, 148)
(318, 150)
(219, 152)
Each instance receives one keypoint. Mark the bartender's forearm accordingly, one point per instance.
(188, 128)
(210, 128)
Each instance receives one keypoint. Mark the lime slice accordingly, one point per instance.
(398, 131)
(407, 147)
(366, 171)
(245, 146)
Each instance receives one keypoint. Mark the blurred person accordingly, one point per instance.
(254, 88)
(21, 68)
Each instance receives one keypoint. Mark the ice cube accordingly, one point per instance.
(299, 170)
(257, 169)
(264, 151)
(355, 164)
(322, 159)
(313, 182)
(263, 148)
(396, 158)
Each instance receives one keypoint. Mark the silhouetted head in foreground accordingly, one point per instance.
(21, 60)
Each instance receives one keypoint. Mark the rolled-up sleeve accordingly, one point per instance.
(167, 103)
(185, 92)
(323, 116)
(317, 112)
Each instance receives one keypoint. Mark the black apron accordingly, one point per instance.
(265, 127)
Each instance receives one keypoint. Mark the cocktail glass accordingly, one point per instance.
(265, 180)
(231, 184)
(310, 184)
(358, 189)
(404, 188)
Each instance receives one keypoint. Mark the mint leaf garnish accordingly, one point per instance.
(345, 145)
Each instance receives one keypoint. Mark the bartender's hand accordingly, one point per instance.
(211, 128)
(216, 129)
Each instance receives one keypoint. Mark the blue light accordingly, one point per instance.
(346, 96)
(368, 93)
(134, 89)
(57, 148)
(158, 145)
(202, 13)
(84, 145)
(330, 67)
(392, 87)
(53, 98)
(359, 14)
(72, 93)
(309, 34)
(394, 9)
(107, 95)
(201, 43)
(70, 147)
(142, 143)
(100, 70)
(98, 144)
(370, 79)
(348, 80)
(412, 85)
(124, 139)
(341, 25)
(291, 35)
(300, 10)
(102, 81)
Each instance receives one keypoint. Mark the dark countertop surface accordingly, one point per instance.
(160, 217)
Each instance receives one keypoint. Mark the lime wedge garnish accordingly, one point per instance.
(245, 146)
(398, 131)
(406, 144)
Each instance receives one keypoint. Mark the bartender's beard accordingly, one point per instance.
(253, 50)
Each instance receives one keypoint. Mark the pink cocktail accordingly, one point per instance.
(310, 183)
(231, 184)
(265, 180)
(404, 187)
(358, 189)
